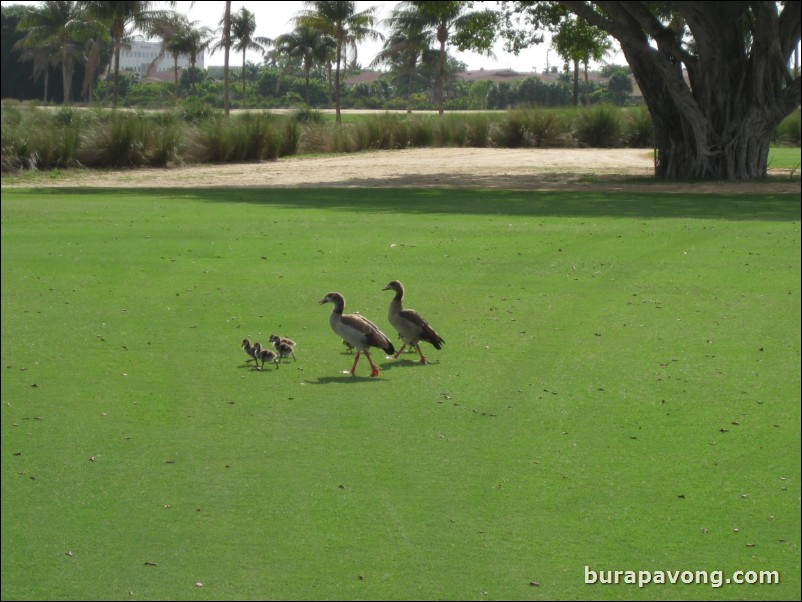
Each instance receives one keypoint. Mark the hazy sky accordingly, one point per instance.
(274, 19)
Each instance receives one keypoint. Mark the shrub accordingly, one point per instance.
(122, 141)
(420, 133)
(638, 127)
(309, 116)
(510, 132)
(477, 130)
(547, 128)
(219, 142)
(260, 136)
(788, 132)
(290, 139)
(599, 127)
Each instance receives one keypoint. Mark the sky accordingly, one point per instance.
(275, 18)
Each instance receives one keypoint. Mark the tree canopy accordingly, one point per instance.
(715, 76)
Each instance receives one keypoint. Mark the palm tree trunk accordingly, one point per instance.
(339, 119)
(226, 51)
(441, 79)
(192, 61)
(410, 80)
(576, 83)
(307, 69)
(243, 78)
(66, 77)
(116, 93)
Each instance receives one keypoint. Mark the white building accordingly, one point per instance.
(140, 55)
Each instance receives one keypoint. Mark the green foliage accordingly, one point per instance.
(478, 129)
(547, 128)
(600, 127)
(306, 115)
(638, 128)
(386, 132)
(449, 132)
(291, 139)
(245, 137)
(531, 91)
(511, 131)
(619, 389)
(619, 88)
(195, 132)
(132, 140)
(789, 132)
(34, 139)
(194, 110)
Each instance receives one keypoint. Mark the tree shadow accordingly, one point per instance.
(641, 203)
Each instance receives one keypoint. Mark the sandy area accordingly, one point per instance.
(521, 169)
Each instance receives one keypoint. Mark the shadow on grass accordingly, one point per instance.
(407, 363)
(641, 205)
(344, 379)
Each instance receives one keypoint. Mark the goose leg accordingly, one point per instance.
(375, 370)
(397, 353)
(356, 360)
(422, 357)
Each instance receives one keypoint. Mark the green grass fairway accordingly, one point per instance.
(619, 390)
(784, 158)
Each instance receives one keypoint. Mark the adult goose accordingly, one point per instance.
(410, 324)
(357, 331)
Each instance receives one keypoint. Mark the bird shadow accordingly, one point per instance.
(253, 368)
(343, 379)
(406, 363)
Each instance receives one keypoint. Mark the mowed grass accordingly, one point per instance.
(784, 158)
(619, 389)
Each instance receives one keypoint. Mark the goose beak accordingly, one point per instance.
(386, 288)
(323, 300)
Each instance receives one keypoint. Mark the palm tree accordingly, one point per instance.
(226, 51)
(310, 45)
(243, 26)
(95, 57)
(340, 20)
(172, 29)
(42, 58)
(119, 16)
(54, 26)
(199, 39)
(404, 49)
(447, 20)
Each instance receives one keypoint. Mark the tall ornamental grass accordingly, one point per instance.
(600, 127)
(35, 138)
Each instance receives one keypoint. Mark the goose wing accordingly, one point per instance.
(357, 330)
(418, 329)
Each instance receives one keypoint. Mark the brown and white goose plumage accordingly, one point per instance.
(410, 324)
(264, 354)
(284, 346)
(357, 331)
(246, 345)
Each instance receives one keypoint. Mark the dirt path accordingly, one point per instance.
(519, 169)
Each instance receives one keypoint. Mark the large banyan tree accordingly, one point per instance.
(716, 76)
